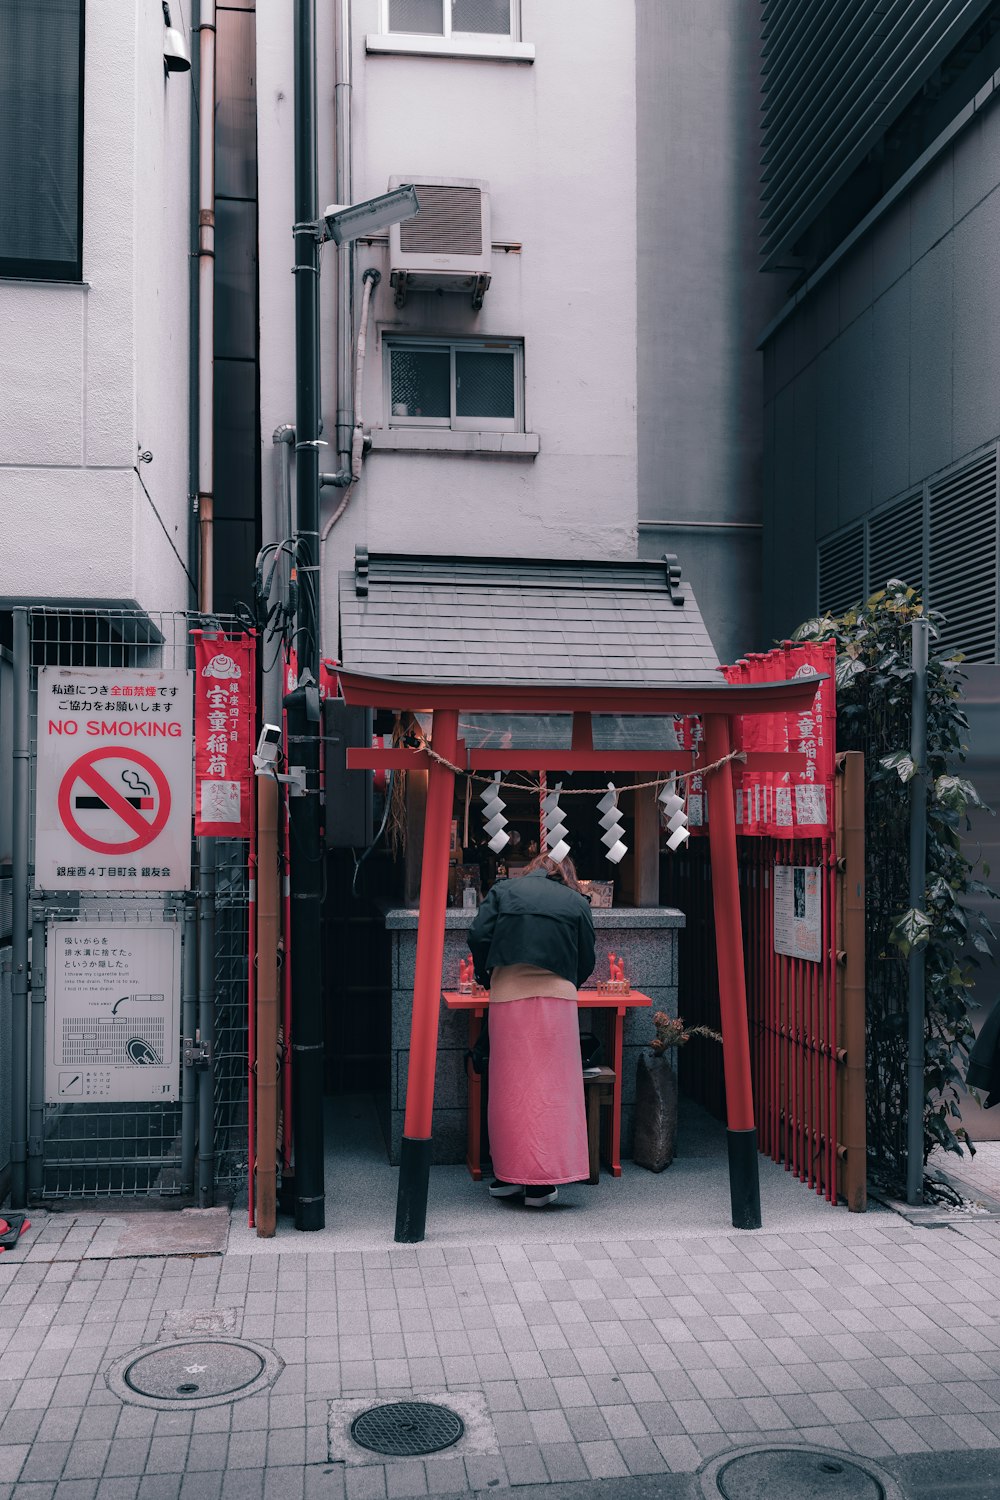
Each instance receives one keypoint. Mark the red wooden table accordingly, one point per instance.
(477, 1005)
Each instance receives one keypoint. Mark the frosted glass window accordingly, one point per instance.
(460, 383)
(423, 16)
(489, 17)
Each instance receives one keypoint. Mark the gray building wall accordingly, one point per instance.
(702, 303)
(887, 370)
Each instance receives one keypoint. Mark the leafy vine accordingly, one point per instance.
(874, 688)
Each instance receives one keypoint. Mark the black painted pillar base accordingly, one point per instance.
(744, 1178)
(411, 1197)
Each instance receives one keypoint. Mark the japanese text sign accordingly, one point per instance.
(224, 714)
(112, 1013)
(113, 798)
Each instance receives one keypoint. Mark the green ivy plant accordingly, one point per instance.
(874, 685)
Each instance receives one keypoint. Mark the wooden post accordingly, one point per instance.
(415, 1158)
(266, 1082)
(744, 1183)
(416, 812)
(646, 814)
(850, 793)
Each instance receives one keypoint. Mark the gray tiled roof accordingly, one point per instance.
(521, 620)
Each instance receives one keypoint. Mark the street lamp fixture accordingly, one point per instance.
(358, 220)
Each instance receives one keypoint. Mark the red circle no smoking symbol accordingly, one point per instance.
(127, 805)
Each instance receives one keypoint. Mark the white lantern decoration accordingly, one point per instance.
(611, 821)
(676, 818)
(494, 816)
(556, 841)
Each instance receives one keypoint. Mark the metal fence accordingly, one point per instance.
(806, 1024)
(105, 1149)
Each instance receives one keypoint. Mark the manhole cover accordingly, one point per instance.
(189, 1373)
(796, 1471)
(406, 1428)
(191, 1370)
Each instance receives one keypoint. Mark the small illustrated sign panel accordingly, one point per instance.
(113, 800)
(798, 911)
(112, 1014)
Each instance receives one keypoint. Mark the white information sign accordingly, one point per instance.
(798, 911)
(113, 798)
(112, 1014)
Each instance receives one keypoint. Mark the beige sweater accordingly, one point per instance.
(523, 981)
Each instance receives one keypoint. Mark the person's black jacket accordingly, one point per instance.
(984, 1060)
(534, 919)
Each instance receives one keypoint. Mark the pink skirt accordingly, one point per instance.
(537, 1117)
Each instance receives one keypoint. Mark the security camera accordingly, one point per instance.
(267, 747)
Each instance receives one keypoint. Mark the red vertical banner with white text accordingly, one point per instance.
(224, 716)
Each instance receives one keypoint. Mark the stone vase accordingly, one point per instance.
(655, 1112)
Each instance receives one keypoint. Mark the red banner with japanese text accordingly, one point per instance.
(778, 804)
(224, 717)
(788, 804)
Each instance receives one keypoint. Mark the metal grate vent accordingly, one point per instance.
(450, 222)
(842, 571)
(963, 559)
(835, 77)
(896, 545)
(407, 1428)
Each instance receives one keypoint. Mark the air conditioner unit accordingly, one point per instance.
(446, 246)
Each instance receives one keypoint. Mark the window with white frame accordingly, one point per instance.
(459, 384)
(451, 18)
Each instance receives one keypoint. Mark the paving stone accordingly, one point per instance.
(524, 1465)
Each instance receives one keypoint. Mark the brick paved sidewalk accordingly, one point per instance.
(594, 1359)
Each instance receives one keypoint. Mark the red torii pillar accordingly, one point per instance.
(415, 1157)
(741, 1132)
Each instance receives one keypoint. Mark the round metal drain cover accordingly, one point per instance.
(806, 1474)
(193, 1372)
(407, 1428)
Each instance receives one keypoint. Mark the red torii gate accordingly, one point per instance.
(716, 703)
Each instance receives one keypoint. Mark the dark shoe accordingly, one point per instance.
(500, 1189)
(537, 1197)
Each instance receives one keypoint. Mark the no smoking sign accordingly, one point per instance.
(114, 801)
(113, 804)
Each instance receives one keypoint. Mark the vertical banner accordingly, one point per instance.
(224, 718)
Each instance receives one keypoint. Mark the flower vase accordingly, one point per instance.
(655, 1113)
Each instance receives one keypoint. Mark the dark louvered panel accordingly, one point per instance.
(896, 545)
(450, 222)
(842, 572)
(963, 559)
(835, 77)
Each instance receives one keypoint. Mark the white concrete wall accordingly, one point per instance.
(555, 139)
(88, 372)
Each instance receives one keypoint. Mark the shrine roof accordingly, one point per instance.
(522, 621)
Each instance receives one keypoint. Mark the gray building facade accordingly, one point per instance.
(881, 419)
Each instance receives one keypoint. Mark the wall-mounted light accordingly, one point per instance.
(176, 58)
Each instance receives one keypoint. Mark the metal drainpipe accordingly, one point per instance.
(189, 1021)
(303, 703)
(345, 254)
(36, 1075)
(281, 526)
(20, 885)
(206, 301)
(205, 1034)
(918, 896)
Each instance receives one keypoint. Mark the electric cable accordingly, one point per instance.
(358, 862)
(166, 533)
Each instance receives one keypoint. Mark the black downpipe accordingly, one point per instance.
(303, 703)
